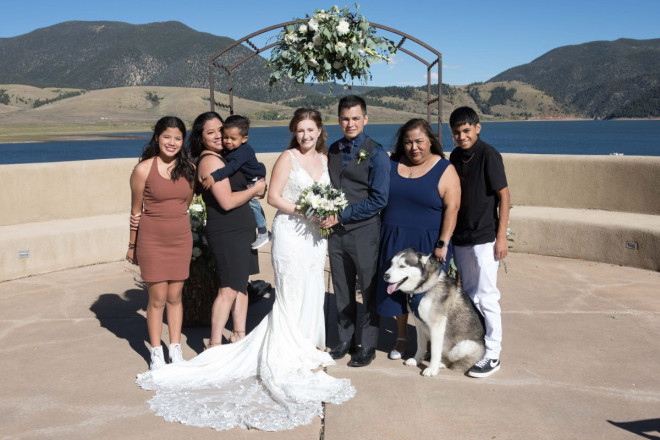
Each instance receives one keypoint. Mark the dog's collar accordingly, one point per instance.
(413, 303)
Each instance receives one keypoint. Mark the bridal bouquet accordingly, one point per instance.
(322, 201)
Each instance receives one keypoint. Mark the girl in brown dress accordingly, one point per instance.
(161, 243)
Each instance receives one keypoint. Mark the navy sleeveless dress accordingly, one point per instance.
(412, 218)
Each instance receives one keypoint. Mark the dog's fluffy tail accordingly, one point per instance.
(465, 353)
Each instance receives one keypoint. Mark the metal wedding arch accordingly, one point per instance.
(213, 64)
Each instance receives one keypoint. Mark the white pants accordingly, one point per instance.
(477, 267)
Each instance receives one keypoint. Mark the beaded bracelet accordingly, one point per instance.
(134, 228)
(131, 245)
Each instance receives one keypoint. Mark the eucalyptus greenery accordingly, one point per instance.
(333, 45)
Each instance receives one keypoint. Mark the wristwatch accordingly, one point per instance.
(441, 244)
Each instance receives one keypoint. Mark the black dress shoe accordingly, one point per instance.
(363, 357)
(340, 350)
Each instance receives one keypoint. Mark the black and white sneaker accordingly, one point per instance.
(484, 368)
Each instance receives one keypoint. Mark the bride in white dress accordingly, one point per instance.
(266, 380)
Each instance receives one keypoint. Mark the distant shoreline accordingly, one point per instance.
(26, 134)
(587, 137)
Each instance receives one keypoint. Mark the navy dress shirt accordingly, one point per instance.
(379, 182)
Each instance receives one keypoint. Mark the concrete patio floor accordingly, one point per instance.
(580, 361)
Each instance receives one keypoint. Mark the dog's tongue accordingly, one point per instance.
(391, 288)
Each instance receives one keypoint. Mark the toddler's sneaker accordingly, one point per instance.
(157, 358)
(484, 368)
(261, 240)
(176, 355)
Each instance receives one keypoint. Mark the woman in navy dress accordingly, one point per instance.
(424, 198)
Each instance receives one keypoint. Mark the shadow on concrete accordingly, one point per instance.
(260, 305)
(195, 337)
(258, 308)
(119, 314)
(386, 337)
(197, 329)
(643, 428)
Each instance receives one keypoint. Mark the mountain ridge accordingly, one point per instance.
(618, 78)
(104, 54)
(600, 79)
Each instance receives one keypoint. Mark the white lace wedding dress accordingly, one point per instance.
(265, 380)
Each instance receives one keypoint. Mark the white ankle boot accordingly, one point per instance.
(157, 358)
(176, 355)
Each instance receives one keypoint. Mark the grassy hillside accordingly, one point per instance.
(511, 100)
(121, 109)
(129, 109)
(493, 101)
(64, 113)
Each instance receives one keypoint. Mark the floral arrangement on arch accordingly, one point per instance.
(331, 45)
(202, 256)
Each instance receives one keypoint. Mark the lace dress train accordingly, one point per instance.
(266, 380)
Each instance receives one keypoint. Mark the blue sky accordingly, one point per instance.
(477, 38)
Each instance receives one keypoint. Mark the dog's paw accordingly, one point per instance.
(410, 362)
(430, 371)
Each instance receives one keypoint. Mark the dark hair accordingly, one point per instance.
(183, 166)
(196, 140)
(238, 121)
(303, 114)
(350, 101)
(399, 148)
(463, 115)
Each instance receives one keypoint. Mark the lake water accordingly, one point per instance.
(632, 138)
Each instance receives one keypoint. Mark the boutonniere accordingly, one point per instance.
(362, 155)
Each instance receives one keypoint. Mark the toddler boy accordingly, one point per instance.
(241, 156)
(480, 234)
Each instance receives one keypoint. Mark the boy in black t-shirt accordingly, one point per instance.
(480, 235)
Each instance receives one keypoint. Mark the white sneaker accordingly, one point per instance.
(176, 355)
(396, 354)
(157, 358)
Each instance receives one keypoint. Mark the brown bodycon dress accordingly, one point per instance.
(164, 239)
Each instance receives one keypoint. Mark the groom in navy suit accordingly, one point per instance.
(361, 168)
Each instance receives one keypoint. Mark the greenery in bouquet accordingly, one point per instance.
(321, 201)
(202, 257)
(332, 45)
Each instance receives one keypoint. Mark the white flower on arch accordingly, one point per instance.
(342, 27)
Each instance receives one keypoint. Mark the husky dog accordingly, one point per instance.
(445, 315)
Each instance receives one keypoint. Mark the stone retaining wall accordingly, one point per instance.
(67, 214)
(598, 208)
